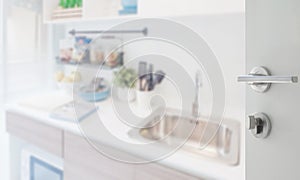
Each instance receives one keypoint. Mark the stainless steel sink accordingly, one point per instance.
(200, 137)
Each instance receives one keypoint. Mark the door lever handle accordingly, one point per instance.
(260, 79)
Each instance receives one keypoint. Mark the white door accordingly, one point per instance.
(273, 41)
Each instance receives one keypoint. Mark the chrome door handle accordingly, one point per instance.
(260, 79)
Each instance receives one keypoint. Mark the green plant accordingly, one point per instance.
(79, 3)
(125, 78)
(67, 4)
(62, 3)
(72, 3)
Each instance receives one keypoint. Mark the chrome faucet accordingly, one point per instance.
(198, 82)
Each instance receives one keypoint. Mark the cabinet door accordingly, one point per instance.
(82, 161)
(37, 133)
(158, 172)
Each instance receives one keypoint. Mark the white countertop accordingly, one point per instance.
(186, 162)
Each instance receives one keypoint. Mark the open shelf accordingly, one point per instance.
(82, 20)
(89, 66)
(102, 10)
(91, 10)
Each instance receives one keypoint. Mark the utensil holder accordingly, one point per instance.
(126, 94)
(144, 99)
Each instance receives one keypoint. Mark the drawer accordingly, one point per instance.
(37, 133)
(158, 172)
(82, 161)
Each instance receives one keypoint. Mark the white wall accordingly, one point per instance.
(225, 35)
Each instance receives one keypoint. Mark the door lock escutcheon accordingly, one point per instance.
(259, 125)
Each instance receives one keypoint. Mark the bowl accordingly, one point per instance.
(95, 96)
(129, 3)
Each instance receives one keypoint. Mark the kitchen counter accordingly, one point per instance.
(181, 160)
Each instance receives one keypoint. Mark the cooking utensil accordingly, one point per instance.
(142, 74)
(157, 79)
(159, 76)
(150, 78)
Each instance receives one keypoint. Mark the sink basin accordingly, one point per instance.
(199, 137)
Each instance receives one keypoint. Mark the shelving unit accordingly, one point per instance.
(92, 10)
(88, 66)
(96, 12)
(72, 13)
(99, 10)
(90, 20)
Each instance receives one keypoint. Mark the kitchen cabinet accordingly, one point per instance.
(108, 9)
(90, 10)
(34, 132)
(81, 160)
(156, 172)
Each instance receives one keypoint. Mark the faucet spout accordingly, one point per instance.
(198, 83)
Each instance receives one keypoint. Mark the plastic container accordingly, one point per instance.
(129, 4)
(95, 96)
